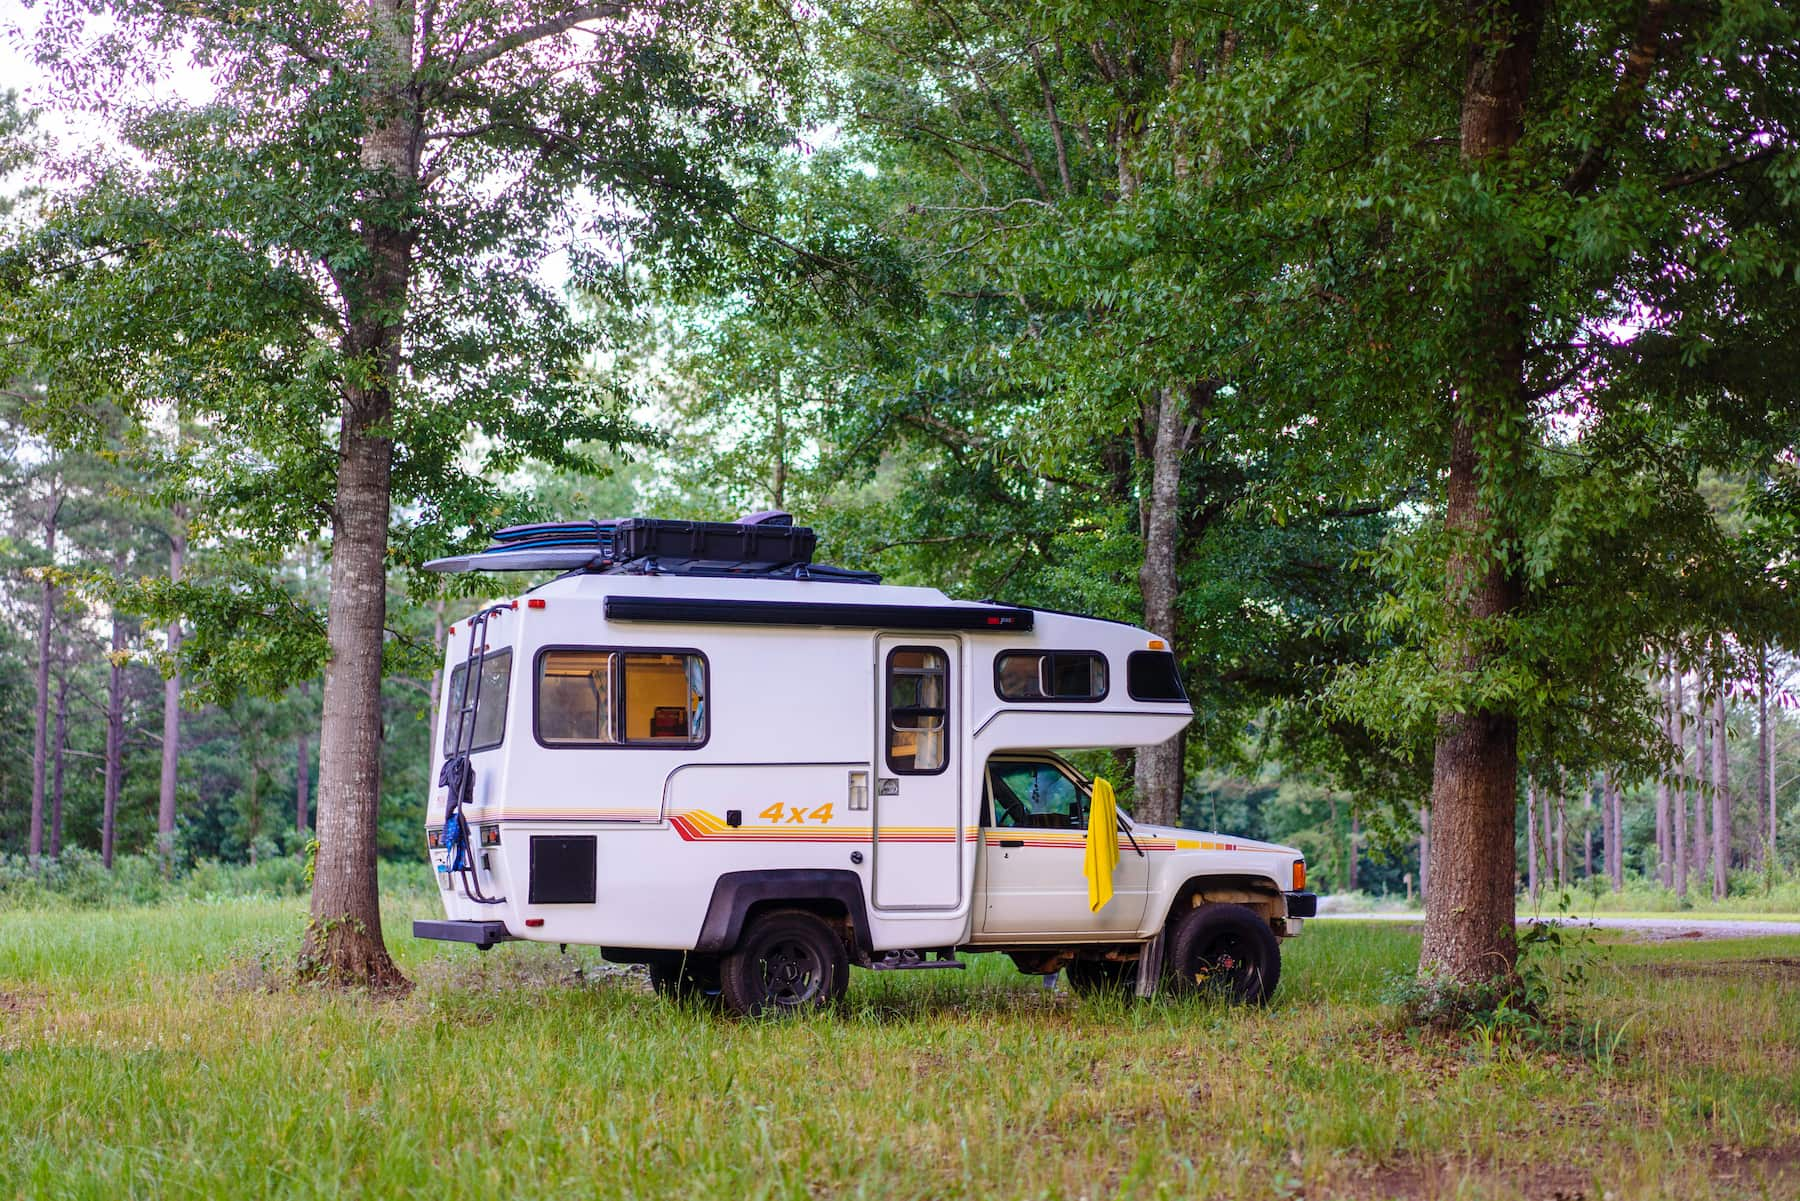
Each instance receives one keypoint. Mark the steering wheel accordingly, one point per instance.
(1009, 805)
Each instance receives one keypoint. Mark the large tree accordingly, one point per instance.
(980, 323)
(352, 236)
(1545, 250)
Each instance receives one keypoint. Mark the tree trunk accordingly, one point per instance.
(115, 736)
(1355, 849)
(1562, 841)
(1615, 836)
(1702, 788)
(171, 738)
(253, 819)
(303, 766)
(56, 760)
(1587, 829)
(1678, 816)
(1764, 758)
(40, 737)
(1531, 847)
(437, 677)
(1158, 779)
(1721, 806)
(1424, 851)
(343, 942)
(1469, 935)
(1664, 845)
(778, 485)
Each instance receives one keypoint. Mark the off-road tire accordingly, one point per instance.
(1224, 950)
(1102, 977)
(787, 961)
(686, 978)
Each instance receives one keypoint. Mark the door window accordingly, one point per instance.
(918, 710)
(1036, 796)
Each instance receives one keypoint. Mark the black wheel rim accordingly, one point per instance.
(793, 973)
(1225, 963)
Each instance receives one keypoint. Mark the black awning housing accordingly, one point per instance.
(711, 611)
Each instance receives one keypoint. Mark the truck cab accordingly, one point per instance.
(703, 753)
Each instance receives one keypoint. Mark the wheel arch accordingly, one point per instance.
(836, 896)
(1252, 891)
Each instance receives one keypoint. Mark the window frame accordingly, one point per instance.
(615, 684)
(450, 711)
(887, 710)
(1066, 770)
(1055, 700)
(1175, 674)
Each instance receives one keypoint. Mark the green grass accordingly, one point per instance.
(145, 1055)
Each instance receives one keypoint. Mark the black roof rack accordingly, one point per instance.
(765, 545)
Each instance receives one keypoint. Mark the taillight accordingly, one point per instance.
(1299, 875)
(490, 836)
(434, 838)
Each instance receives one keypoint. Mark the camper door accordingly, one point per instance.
(918, 803)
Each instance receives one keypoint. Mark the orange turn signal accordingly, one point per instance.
(1299, 875)
(1157, 644)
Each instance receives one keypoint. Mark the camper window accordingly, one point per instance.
(490, 704)
(574, 691)
(1050, 676)
(1153, 676)
(592, 697)
(918, 690)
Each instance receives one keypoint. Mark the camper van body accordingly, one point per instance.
(829, 745)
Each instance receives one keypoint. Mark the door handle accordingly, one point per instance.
(1012, 842)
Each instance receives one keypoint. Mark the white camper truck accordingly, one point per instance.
(701, 752)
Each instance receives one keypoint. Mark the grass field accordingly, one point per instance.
(145, 1053)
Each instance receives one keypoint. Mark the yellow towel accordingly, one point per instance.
(1102, 856)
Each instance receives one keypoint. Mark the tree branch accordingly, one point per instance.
(1646, 44)
(1724, 168)
(482, 55)
(1050, 114)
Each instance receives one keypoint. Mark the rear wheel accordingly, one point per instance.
(1226, 951)
(787, 961)
(1102, 977)
(686, 978)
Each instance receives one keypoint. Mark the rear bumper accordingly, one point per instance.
(482, 934)
(1302, 904)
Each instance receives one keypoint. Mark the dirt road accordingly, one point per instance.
(1652, 927)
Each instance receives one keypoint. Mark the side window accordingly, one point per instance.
(489, 717)
(663, 699)
(1050, 675)
(918, 710)
(574, 698)
(593, 697)
(1153, 676)
(1036, 796)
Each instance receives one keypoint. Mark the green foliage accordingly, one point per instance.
(78, 880)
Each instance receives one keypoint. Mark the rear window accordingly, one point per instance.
(489, 718)
(1153, 676)
(1050, 675)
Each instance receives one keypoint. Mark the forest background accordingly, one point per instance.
(1149, 314)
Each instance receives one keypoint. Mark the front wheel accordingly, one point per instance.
(1227, 951)
(787, 961)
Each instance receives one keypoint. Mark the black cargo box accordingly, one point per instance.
(715, 541)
